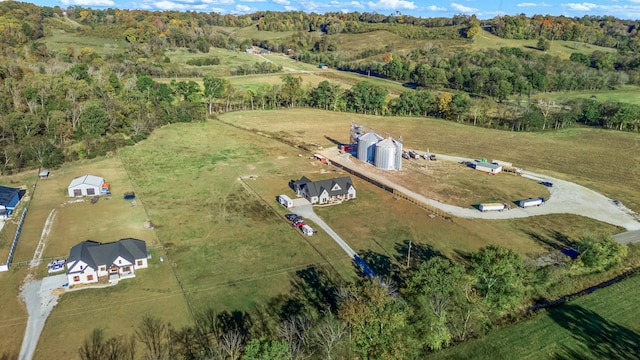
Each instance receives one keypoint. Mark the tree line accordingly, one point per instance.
(407, 313)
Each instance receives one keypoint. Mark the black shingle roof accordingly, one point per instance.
(96, 254)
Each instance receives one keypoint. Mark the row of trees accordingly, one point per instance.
(45, 114)
(407, 314)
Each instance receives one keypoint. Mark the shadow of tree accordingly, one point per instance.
(557, 241)
(599, 337)
(317, 288)
(419, 252)
(381, 264)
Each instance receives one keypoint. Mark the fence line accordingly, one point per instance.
(15, 242)
(397, 193)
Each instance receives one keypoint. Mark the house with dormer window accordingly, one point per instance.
(324, 191)
(91, 261)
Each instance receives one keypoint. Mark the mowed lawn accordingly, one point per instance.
(154, 290)
(602, 325)
(231, 249)
(603, 160)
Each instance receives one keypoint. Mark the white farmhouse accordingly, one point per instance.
(91, 261)
(87, 185)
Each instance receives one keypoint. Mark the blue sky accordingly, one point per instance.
(627, 9)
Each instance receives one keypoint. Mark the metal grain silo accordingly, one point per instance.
(398, 160)
(385, 154)
(366, 146)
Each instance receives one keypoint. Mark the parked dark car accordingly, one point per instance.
(291, 217)
(546, 183)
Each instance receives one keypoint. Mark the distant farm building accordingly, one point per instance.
(87, 185)
(9, 198)
(385, 154)
(488, 167)
(324, 191)
(43, 174)
(91, 261)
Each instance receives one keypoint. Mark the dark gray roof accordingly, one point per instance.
(315, 188)
(7, 194)
(96, 254)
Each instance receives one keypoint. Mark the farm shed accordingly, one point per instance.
(488, 167)
(90, 260)
(9, 198)
(87, 185)
(324, 191)
(43, 174)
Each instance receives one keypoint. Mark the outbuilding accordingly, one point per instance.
(43, 174)
(86, 185)
(9, 198)
(488, 167)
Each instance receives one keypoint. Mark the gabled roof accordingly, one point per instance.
(7, 194)
(335, 186)
(96, 254)
(88, 180)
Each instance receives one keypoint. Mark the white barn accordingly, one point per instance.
(87, 185)
(90, 261)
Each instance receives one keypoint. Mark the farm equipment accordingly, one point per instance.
(512, 169)
(414, 155)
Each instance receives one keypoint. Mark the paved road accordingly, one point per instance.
(304, 208)
(566, 197)
(40, 301)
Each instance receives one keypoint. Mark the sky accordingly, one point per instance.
(484, 9)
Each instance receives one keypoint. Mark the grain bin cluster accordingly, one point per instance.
(383, 153)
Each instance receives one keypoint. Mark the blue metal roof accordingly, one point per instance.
(9, 197)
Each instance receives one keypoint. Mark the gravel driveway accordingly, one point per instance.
(39, 300)
(566, 198)
(304, 208)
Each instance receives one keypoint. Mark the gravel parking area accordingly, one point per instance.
(566, 197)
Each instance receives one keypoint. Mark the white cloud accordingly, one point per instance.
(462, 8)
(170, 5)
(581, 6)
(250, 1)
(217, 2)
(243, 9)
(392, 5)
(356, 4)
(435, 8)
(291, 8)
(281, 2)
(527, 4)
(88, 2)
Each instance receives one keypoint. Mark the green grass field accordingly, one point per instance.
(603, 325)
(60, 40)
(627, 93)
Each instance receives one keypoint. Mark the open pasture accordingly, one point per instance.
(60, 40)
(605, 161)
(586, 328)
(231, 248)
(626, 94)
(560, 48)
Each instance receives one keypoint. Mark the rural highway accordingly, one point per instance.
(304, 208)
(565, 197)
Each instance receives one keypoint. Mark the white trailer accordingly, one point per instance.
(491, 207)
(531, 202)
(285, 201)
(307, 230)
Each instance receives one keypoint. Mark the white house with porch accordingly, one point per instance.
(91, 261)
(86, 185)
